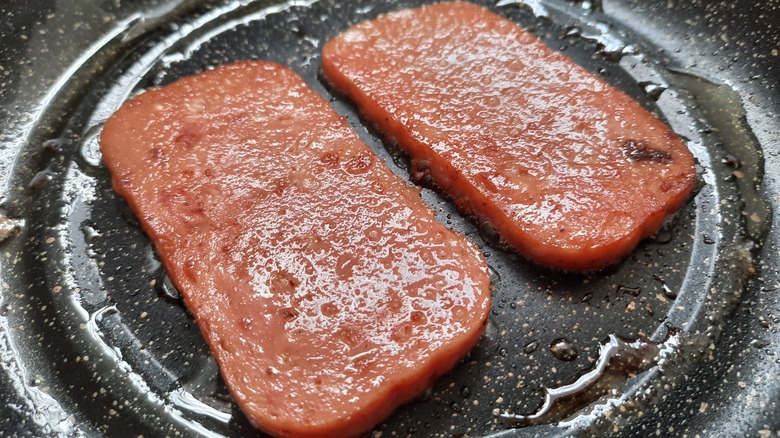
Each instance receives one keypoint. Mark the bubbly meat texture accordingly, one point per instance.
(326, 288)
(569, 170)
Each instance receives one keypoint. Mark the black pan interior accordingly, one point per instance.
(97, 341)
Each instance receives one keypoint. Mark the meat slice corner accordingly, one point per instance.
(569, 170)
(326, 289)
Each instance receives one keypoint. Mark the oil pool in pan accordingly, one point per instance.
(111, 324)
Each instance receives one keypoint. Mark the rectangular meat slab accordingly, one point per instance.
(569, 170)
(327, 290)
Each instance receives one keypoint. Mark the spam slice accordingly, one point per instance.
(569, 170)
(325, 287)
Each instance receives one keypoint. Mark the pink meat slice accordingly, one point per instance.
(569, 170)
(326, 289)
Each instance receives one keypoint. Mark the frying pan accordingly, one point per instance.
(680, 338)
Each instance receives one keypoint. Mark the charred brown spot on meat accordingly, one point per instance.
(330, 158)
(636, 150)
(289, 313)
(359, 164)
(156, 153)
(283, 282)
(421, 172)
(189, 136)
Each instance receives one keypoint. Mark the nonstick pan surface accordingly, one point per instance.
(95, 341)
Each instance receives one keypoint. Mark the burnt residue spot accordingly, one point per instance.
(636, 150)
(41, 179)
(731, 161)
(633, 291)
